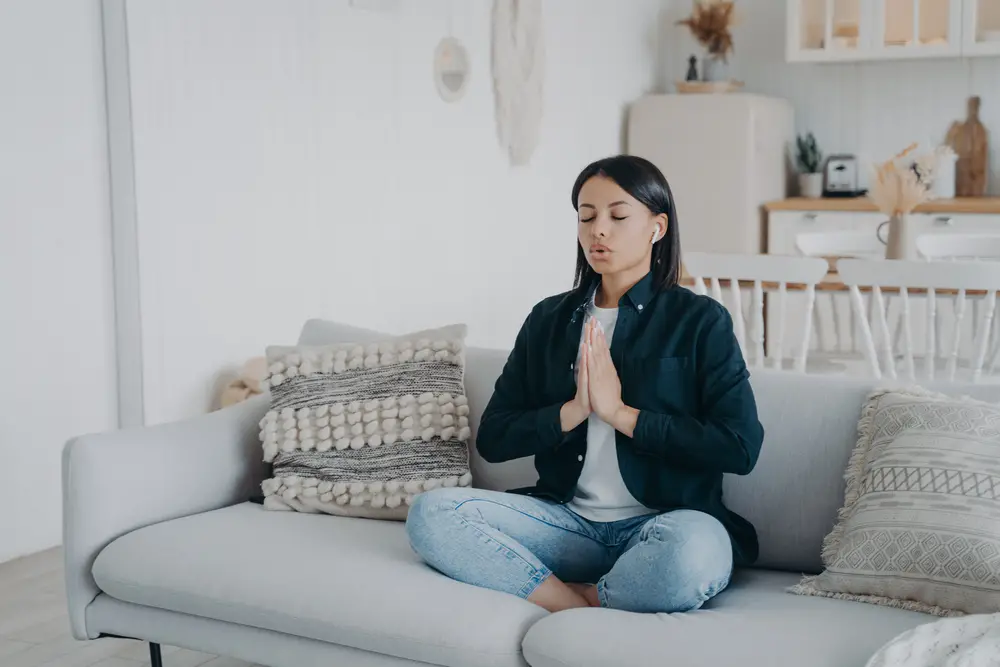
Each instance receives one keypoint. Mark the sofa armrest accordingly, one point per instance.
(114, 483)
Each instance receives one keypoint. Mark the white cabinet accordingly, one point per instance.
(854, 30)
(981, 28)
(783, 227)
(828, 30)
(917, 28)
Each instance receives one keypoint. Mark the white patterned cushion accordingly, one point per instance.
(920, 526)
(359, 430)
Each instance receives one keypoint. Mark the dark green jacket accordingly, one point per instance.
(680, 366)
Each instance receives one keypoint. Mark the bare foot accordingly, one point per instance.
(554, 595)
(588, 592)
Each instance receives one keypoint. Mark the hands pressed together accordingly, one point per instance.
(598, 388)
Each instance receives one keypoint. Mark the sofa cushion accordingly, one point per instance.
(349, 581)
(919, 526)
(754, 623)
(810, 428)
(482, 368)
(360, 429)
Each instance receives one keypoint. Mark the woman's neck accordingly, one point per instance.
(614, 286)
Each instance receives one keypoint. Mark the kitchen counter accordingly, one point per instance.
(863, 204)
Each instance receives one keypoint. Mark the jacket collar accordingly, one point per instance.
(638, 297)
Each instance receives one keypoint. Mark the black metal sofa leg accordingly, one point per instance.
(155, 659)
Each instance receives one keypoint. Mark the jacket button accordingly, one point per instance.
(640, 307)
(580, 457)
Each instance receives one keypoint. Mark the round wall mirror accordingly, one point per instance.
(451, 69)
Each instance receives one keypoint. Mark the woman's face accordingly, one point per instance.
(615, 230)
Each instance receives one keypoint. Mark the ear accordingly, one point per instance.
(661, 226)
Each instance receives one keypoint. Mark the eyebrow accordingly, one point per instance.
(611, 205)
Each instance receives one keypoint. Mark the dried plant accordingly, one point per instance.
(897, 188)
(710, 24)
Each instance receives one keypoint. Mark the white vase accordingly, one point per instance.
(811, 185)
(714, 68)
(900, 242)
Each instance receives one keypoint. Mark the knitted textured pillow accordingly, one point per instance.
(919, 529)
(359, 430)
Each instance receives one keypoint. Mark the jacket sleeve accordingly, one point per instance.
(726, 435)
(512, 428)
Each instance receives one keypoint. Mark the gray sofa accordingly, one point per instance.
(161, 546)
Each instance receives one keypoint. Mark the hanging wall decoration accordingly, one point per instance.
(451, 69)
(518, 75)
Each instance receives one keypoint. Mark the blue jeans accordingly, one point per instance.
(658, 563)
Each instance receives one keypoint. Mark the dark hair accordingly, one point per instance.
(643, 181)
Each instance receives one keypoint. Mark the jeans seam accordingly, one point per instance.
(531, 568)
(534, 582)
(530, 516)
(602, 594)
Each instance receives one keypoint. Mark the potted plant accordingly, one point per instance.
(710, 23)
(809, 160)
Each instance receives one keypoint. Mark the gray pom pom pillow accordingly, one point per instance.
(360, 429)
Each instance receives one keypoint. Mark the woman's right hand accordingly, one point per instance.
(576, 411)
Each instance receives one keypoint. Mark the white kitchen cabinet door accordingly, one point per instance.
(859, 30)
(828, 30)
(917, 28)
(785, 226)
(955, 223)
(981, 28)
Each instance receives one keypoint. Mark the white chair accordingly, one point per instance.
(843, 350)
(928, 278)
(773, 272)
(951, 247)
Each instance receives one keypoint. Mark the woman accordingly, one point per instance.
(633, 396)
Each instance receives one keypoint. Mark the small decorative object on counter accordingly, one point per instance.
(710, 23)
(945, 173)
(898, 186)
(970, 141)
(809, 157)
(692, 74)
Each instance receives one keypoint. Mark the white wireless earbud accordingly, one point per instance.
(656, 236)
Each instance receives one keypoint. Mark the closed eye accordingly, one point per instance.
(617, 218)
(590, 219)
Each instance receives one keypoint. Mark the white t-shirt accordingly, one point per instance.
(601, 494)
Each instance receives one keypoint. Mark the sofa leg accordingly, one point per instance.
(155, 659)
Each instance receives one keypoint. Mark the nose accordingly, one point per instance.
(602, 226)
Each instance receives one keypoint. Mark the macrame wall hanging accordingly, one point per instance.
(518, 75)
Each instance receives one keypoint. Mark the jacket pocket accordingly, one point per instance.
(660, 384)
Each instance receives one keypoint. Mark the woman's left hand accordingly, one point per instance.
(605, 387)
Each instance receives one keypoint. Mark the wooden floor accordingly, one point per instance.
(34, 629)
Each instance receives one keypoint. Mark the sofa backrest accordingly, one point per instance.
(792, 495)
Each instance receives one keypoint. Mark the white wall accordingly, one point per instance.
(293, 160)
(872, 110)
(55, 266)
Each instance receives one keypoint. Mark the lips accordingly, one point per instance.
(597, 248)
